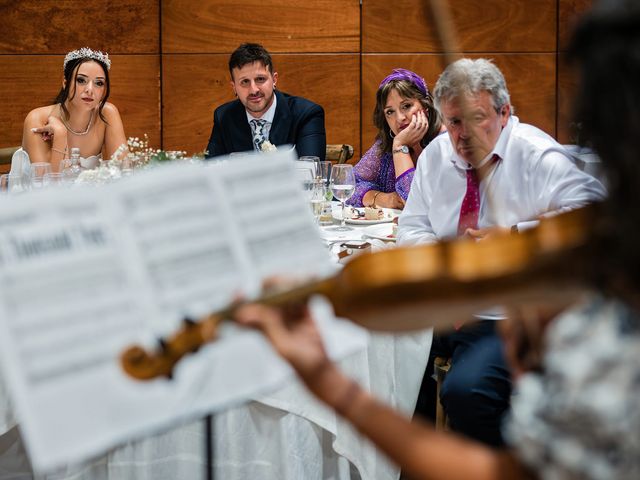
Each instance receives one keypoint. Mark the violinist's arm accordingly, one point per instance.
(421, 451)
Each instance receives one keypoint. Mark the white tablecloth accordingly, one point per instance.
(287, 435)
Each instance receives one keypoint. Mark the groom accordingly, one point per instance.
(261, 114)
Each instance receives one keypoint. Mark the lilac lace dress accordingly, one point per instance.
(375, 171)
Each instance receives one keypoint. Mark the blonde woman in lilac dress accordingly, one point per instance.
(407, 121)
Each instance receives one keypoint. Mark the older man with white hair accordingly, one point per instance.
(490, 172)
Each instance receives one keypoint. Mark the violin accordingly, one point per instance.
(410, 288)
(434, 285)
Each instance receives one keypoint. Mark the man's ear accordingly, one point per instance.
(504, 114)
(233, 87)
(275, 79)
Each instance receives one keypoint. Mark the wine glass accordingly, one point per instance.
(310, 164)
(343, 185)
(305, 175)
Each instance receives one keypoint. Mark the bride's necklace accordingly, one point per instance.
(64, 122)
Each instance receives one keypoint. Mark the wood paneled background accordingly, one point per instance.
(169, 67)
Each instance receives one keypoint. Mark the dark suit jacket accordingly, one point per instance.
(297, 121)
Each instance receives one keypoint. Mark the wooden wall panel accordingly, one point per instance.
(530, 79)
(48, 27)
(195, 84)
(567, 86)
(192, 85)
(280, 25)
(134, 90)
(26, 82)
(482, 26)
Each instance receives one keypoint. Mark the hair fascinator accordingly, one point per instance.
(86, 52)
(407, 75)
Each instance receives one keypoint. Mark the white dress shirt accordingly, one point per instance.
(534, 176)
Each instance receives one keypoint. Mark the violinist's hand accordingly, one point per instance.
(415, 131)
(482, 233)
(292, 332)
(54, 126)
(389, 200)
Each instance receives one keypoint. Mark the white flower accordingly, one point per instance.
(267, 146)
(87, 176)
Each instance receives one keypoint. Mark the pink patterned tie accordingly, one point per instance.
(470, 208)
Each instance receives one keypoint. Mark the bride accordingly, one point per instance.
(80, 117)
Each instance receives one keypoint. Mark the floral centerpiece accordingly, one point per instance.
(133, 155)
(141, 154)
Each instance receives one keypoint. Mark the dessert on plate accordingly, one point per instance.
(373, 213)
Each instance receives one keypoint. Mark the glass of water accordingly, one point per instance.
(343, 184)
(11, 184)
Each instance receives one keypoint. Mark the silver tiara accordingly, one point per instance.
(86, 52)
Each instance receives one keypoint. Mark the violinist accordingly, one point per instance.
(489, 172)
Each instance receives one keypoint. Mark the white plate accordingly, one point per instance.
(381, 232)
(388, 215)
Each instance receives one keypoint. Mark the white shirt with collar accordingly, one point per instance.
(268, 117)
(534, 176)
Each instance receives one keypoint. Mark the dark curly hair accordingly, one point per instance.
(606, 50)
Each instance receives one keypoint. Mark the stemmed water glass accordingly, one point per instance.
(343, 185)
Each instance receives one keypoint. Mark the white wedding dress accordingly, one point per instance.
(21, 163)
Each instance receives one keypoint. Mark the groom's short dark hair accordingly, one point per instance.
(249, 53)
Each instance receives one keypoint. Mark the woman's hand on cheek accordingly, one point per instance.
(415, 131)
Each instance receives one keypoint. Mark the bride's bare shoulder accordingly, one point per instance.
(109, 110)
(38, 116)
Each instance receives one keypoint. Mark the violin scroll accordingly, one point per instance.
(142, 365)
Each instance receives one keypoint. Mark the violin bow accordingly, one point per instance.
(448, 38)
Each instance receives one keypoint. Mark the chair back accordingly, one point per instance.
(20, 163)
(339, 152)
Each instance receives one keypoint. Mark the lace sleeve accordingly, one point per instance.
(403, 183)
(367, 172)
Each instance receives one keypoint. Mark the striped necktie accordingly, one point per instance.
(258, 135)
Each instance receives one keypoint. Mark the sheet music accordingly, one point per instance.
(86, 272)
